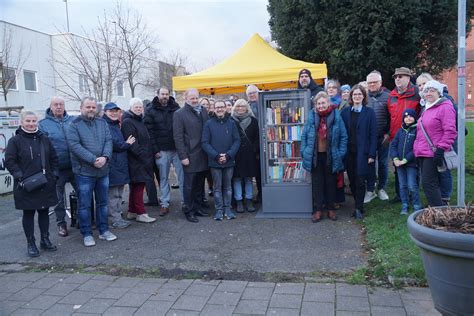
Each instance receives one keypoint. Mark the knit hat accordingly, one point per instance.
(305, 71)
(345, 87)
(435, 85)
(410, 112)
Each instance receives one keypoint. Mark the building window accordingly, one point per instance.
(30, 80)
(120, 88)
(10, 75)
(83, 84)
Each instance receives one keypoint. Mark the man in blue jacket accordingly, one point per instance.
(90, 143)
(55, 125)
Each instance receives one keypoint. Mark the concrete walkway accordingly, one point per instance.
(88, 294)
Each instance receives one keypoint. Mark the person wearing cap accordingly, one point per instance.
(401, 151)
(54, 125)
(378, 97)
(439, 122)
(118, 174)
(345, 91)
(305, 81)
(403, 96)
(140, 160)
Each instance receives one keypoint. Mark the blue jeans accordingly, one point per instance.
(382, 169)
(237, 185)
(408, 181)
(222, 179)
(446, 184)
(168, 157)
(86, 186)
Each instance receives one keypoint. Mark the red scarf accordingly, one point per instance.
(323, 128)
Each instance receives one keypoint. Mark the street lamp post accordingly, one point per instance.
(67, 16)
(461, 95)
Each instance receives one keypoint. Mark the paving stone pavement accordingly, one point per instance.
(40, 293)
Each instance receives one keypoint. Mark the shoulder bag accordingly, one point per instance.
(451, 160)
(37, 180)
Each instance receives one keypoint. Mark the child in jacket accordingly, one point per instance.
(401, 151)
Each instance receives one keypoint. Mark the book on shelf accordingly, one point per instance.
(286, 133)
(284, 112)
(284, 150)
(287, 171)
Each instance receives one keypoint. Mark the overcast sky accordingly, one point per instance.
(205, 31)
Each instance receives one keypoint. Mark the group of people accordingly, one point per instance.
(349, 129)
(359, 129)
(100, 154)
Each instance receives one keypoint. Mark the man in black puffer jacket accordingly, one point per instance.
(159, 122)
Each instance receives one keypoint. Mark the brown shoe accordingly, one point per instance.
(62, 231)
(163, 211)
(332, 215)
(316, 217)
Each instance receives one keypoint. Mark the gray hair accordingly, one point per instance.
(242, 102)
(375, 73)
(84, 99)
(334, 82)
(57, 97)
(251, 88)
(26, 113)
(426, 76)
(134, 101)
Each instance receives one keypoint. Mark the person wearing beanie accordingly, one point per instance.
(305, 81)
(401, 151)
(438, 121)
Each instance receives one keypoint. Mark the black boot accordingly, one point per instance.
(250, 206)
(46, 244)
(240, 207)
(32, 249)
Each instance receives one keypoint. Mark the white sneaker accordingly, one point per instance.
(107, 235)
(89, 241)
(369, 196)
(144, 218)
(383, 195)
(131, 215)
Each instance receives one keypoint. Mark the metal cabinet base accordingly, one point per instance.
(297, 201)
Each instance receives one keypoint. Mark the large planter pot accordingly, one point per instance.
(448, 259)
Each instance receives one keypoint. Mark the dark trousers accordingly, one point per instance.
(135, 199)
(193, 190)
(430, 181)
(29, 222)
(324, 185)
(151, 186)
(356, 182)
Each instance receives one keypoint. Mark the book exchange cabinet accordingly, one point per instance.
(286, 186)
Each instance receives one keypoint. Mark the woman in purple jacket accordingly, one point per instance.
(439, 123)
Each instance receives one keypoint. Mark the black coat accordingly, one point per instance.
(140, 155)
(23, 159)
(159, 122)
(187, 130)
(118, 164)
(246, 162)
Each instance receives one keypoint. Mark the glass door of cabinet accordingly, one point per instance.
(284, 117)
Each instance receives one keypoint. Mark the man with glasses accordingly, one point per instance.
(403, 96)
(378, 97)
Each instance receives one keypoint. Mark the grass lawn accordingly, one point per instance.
(390, 249)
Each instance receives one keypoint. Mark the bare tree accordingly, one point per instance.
(90, 65)
(137, 43)
(161, 72)
(11, 62)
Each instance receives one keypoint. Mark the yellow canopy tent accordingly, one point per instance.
(255, 63)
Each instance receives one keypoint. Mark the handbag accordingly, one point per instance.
(37, 180)
(451, 160)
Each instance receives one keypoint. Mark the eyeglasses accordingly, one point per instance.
(399, 76)
(357, 94)
(372, 82)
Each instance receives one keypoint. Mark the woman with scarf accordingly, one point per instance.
(361, 127)
(246, 163)
(439, 123)
(29, 153)
(323, 147)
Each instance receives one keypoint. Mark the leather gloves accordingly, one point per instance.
(439, 157)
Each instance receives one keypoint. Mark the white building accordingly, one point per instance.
(44, 73)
